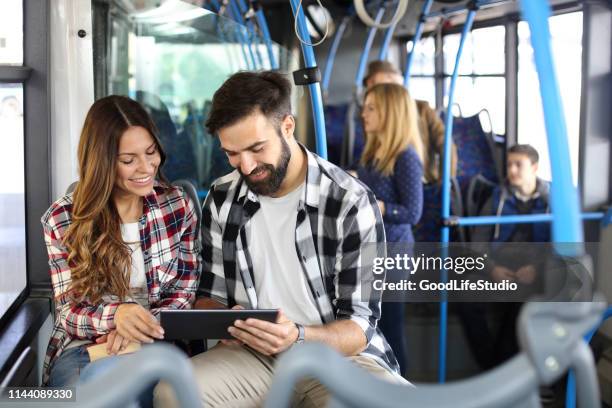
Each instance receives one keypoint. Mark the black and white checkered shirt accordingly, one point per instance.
(337, 217)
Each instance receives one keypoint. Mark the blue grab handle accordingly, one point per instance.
(316, 97)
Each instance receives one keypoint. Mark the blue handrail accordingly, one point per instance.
(316, 98)
(331, 57)
(417, 37)
(244, 41)
(263, 26)
(363, 59)
(445, 234)
(566, 226)
(384, 49)
(243, 8)
(518, 219)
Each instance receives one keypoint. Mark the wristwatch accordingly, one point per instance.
(300, 337)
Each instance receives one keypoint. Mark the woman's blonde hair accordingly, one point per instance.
(100, 262)
(399, 120)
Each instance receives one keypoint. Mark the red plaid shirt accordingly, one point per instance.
(172, 263)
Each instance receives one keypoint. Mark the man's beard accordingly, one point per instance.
(272, 183)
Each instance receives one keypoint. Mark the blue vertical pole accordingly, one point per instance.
(263, 26)
(331, 56)
(254, 40)
(417, 37)
(243, 38)
(384, 49)
(446, 170)
(363, 60)
(315, 89)
(567, 225)
(216, 8)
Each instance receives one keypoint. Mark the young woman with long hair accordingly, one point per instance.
(121, 247)
(391, 165)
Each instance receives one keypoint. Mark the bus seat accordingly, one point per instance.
(428, 227)
(478, 191)
(190, 189)
(335, 117)
(336, 128)
(71, 187)
(551, 338)
(474, 152)
(180, 158)
(192, 347)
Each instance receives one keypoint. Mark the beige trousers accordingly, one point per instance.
(237, 377)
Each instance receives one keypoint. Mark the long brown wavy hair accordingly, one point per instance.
(397, 112)
(100, 262)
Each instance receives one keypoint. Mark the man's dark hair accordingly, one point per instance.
(527, 150)
(246, 92)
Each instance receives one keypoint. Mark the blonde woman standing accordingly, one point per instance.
(391, 165)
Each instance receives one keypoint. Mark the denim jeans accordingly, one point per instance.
(73, 368)
(66, 370)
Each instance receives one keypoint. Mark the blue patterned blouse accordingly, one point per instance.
(402, 193)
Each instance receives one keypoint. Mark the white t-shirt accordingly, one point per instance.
(279, 279)
(138, 278)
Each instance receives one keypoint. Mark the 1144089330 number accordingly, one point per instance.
(15, 394)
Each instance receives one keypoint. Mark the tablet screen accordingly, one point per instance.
(207, 324)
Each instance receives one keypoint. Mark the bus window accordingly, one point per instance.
(172, 59)
(566, 40)
(481, 83)
(11, 32)
(422, 83)
(13, 277)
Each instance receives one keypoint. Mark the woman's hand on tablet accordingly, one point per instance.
(135, 323)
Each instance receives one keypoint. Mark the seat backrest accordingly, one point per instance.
(71, 187)
(190, 189)
(428, 229)
(474, 152)
(335, 122)
(479, 190)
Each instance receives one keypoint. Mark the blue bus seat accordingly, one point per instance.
(474, 151)
(428, 229)
(335, 119)
(336, 127)
(180, 160)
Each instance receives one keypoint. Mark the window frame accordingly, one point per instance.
(33, 76)
(510, 22)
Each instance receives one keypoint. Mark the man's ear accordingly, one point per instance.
(288, 126)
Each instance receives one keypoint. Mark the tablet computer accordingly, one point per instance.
(207, 324)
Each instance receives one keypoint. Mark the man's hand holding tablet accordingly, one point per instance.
(269, 338)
